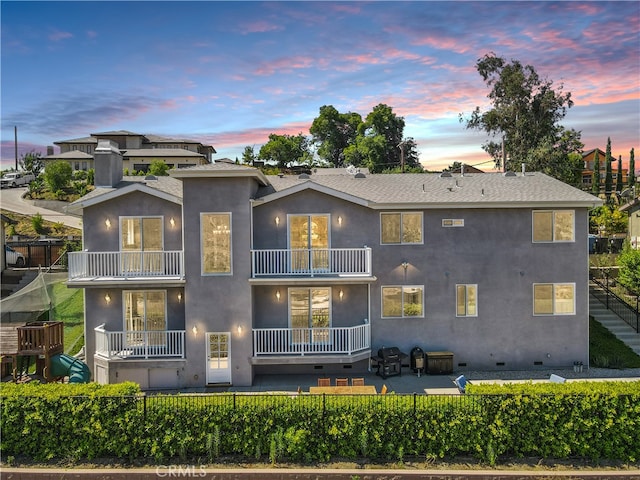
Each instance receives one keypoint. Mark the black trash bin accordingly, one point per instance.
(417, 360)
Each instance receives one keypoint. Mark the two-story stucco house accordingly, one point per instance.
(218, 273)
(138, 150)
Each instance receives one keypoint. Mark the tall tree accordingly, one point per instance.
(632, 169)
(32, 162)
(333, 131)
(248, 155)
(559, 158)
(285, 150)
(608, 176)
(525, 113)
(595, 176)
(619, 182)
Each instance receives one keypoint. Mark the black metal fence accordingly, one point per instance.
(616, 304)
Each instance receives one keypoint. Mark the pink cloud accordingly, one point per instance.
(442, 43)
(91, 34)
(254, 136)
(260, 26)
(285, 64)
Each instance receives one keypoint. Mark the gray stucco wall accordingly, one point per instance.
(98, 238)
(494, 250)
(218, 303)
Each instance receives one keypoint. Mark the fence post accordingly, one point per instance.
(144, 409)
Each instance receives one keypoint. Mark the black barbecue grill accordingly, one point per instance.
(389, 361)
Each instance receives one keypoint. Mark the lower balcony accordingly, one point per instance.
(139, 344)
(309, 345)
(116, 266)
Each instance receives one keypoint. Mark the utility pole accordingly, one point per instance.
(15, 142)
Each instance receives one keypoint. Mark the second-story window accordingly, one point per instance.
(141, 233)
(553, 226)
(215, 240)
(466, 300)
(401, 228)
(141, 244)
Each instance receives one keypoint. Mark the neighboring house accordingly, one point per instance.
(138, 151)
(218, 273)
(588, 158)
(633, 232)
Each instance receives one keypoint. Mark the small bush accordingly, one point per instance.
(37, 222)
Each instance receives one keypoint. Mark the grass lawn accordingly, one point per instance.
(606, 351)
(69, 308)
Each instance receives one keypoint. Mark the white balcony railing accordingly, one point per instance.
(311, 262)
(139, 344)
(306, 341)
(110, 265)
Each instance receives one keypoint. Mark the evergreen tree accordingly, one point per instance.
(608, 179)
(619, 184)
(632, 169)
(595, 176)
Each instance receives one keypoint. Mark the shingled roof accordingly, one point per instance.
(438, 190)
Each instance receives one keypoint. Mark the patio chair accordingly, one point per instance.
(357, 382)
(324, 382)
(461, 382)
(342, 382)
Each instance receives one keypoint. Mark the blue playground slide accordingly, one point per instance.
(64, 365)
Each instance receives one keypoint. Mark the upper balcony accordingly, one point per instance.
(314, 262)
(109, 267)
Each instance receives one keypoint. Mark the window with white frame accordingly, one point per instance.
(553, 226)
(466, 300)
(141, 233)
(403, 301)
(145, 310)
(141, 244)
(400, 227)
(310, 314)
(554, 299)
(215, 241)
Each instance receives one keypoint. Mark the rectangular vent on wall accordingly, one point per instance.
(453, 222)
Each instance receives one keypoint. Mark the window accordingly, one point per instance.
(400, 228)
(553, 226)
(141, 244)
(466, 300)
(144, 312)
(141, 233)
(310, 314)
(309, 242)
(554, 299)
(215, 238)
(402, 301)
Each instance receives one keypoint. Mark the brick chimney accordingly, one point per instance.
(107, 161)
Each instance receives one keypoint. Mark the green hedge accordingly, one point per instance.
(73, 422)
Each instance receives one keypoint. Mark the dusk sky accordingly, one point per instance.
(230, 73)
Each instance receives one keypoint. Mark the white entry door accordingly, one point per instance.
(218, 357)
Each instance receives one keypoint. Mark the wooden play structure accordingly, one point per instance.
(44, 342)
